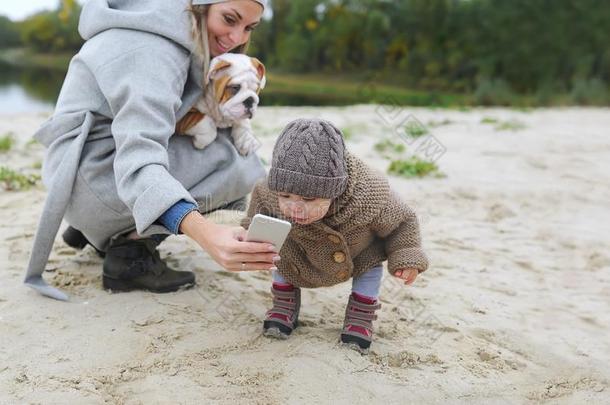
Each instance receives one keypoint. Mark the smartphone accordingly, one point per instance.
(264, 228)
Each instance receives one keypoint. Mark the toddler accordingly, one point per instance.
(346, 222)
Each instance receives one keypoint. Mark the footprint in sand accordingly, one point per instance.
(597, 261)
(496, 360)
(562, 388)
(404, 359)
(64, 278)
(536, 163)
(498, 212)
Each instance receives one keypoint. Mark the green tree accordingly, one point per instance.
(53, 30)
(9, 33)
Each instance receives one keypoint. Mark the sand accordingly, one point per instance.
(515, 307)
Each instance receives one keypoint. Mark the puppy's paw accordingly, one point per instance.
(248, 144)
(201, 142)
(244, 140)
(204, 132)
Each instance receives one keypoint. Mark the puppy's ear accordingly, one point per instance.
(260, 71)
(216, 68)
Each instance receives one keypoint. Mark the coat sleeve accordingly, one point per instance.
(398, 226)
(143, 88)
(255, 206)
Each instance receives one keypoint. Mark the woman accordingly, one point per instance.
(113, 169)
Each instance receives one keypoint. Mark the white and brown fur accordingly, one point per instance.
(231, 99)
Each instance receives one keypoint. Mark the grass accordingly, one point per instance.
(489, 120)
(511, 125)
(12, 180)
(320, 89)
(6, 142)
(388, 146)
(434, 124)
(365, 87)
(348, 133)
(415, 129)
(414, 167)
(23, 57)
(32, 143)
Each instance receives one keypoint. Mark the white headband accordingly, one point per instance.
(201, 2)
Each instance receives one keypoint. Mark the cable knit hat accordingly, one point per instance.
(309, 160)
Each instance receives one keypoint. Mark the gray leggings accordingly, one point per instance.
(366, 284)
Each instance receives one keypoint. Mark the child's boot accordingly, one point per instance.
(358, 324)
(283, 318)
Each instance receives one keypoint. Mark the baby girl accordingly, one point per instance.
(346, 222)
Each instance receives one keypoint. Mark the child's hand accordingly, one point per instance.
(409, 275)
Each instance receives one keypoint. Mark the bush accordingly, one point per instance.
(57, 30)
(9, 34)
(493, 92)
(590, 92)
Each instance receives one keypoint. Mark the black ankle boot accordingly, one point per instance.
(136, 265)
(75, 239)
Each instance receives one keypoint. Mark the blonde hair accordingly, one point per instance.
(199, 31)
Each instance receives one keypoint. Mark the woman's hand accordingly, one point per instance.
(226, 244)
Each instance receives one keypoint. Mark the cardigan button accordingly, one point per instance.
(339, 257)
(343, 275)
(333, 238)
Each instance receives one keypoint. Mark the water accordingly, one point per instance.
(25, 90)
(14, 99)
(28, 89)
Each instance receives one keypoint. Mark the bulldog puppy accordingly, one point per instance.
(231, 98)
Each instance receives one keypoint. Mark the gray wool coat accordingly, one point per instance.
(112, 164)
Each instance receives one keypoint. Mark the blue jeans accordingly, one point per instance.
(366, 284)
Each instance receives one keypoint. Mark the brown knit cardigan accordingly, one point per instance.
(364, 226)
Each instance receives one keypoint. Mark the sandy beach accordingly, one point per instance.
(515, 307)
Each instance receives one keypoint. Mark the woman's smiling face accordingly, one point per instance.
(302, 210)
(230, 24)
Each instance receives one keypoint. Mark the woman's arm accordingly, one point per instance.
(143, 88)
(226, 245)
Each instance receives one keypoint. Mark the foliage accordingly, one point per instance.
(510, 125)
(346, 89)
(414, 167)
(12, 180)
(434, 123)
(414, 129)
(495, 49)
(446, 52)
(6, 142)
(51, 31)
(592, 91)
(348, 133)
(489, 120)
(387, 145)
(9, 33)
(493, 92)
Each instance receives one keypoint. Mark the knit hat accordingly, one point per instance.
(201, 2)
(309, 160)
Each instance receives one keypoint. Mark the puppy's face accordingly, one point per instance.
(236, 80)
